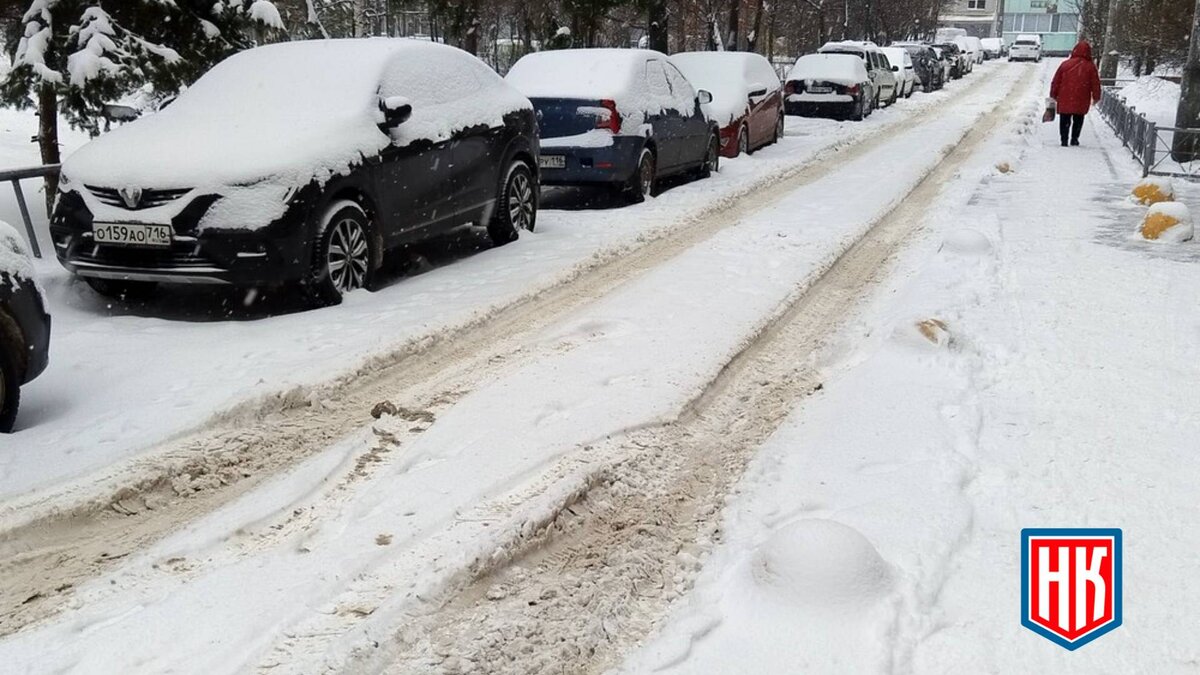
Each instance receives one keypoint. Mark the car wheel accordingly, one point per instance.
(344, 255)
(859, 112)
(516, 206)
(10, 392)
(122, 289)
(743, 142)
(641, 183)
(778, 130)
(712, 158)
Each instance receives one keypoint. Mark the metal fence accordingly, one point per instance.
(1162, 151)
(15, 176)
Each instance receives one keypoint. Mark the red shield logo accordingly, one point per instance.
(1071, 583)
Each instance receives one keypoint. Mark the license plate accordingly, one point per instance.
(552, 162)
(131, 234)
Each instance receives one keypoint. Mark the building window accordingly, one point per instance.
(1068, 23)
(976, 4)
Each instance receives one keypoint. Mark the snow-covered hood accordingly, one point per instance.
(179, 149)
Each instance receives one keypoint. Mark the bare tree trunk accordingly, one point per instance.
(360, 18)
(732, 39)
(471, 20)
(752, 43)
(1185, 147)
(657, 16)
(1108, 49)
(48, 137)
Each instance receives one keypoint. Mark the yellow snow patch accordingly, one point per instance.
(1157, 223)
(1153, 191)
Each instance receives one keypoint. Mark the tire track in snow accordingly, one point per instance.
(593, 577)
(54, 542)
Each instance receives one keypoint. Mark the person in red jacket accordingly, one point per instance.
(1075, 88)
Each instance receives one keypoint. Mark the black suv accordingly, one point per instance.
(301, 163)
(24, 325)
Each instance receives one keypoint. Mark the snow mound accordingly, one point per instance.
(1167, 222)
(1154, 189)
(1153, 97)
(14, 258)
(966, 241)
(821, 562)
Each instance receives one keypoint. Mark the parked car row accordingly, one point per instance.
(851, 79)
(302, 163)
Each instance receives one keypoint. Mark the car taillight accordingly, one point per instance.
(852, 90)
(611, 121)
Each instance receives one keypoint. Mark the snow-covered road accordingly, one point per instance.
(317, 564)
(879, 529)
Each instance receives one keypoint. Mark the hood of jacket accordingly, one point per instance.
(1083, 50)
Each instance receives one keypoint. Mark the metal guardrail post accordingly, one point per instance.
(33, 242)
(1148, 150)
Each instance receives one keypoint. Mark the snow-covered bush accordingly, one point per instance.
(1167, 222)
(1154, 189)
(821, 562)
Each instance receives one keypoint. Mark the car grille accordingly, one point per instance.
(149, 198)
(181, 255)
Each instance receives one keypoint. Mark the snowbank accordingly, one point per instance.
(729, 77)
(1167, 222)
(845, 69)
(1153, 97)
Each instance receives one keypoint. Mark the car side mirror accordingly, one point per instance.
(895, 69)
(758, 91)
(704, 96)
(396, 111)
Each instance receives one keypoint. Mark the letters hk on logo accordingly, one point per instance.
(1070, 583)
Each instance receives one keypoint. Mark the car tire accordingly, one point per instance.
(743, 142)
(779, 127)
(516, 205)
(712, 158)
(122, 289)
(344, 257)
(10, 390)
(641, 183)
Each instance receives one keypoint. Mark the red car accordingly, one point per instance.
(747, 97)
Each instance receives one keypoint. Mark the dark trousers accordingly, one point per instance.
(1071, 123)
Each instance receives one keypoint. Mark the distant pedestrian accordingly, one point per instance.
(1075, 88)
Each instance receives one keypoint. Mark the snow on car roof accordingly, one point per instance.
(579, 73)
(294, 111)
(837, 68)
(729, 77)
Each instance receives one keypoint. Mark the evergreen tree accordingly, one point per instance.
(75, 56)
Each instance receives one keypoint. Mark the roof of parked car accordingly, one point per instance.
(729, 77)
(838, 68)
(293, 111)
(579, 73)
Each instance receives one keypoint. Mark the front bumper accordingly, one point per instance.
(614, 163)
(276, 253)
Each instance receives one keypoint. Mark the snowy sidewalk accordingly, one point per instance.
(879, 530)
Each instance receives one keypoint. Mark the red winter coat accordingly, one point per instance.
(1076, 85)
